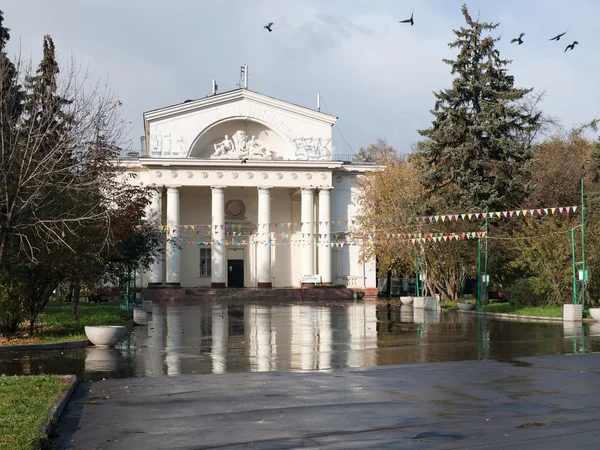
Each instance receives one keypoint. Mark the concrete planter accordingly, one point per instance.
(595, 313)
(147, 305)
(419, 302)
(466, 306)
(106, 335)
(572, 313)
(140, 316)
(406, 300)
(432, 304)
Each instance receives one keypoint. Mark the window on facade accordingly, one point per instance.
(205, 262)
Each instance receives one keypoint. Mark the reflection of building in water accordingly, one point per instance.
(216, 338)
(303, 337)
(220, 337)
(173, 340)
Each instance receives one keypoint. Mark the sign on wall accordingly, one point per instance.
(310, 278)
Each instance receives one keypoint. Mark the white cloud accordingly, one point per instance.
(375, 74)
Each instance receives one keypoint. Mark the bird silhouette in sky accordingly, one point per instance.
(244, 161)
(519, 39)
(558, 36)
(572, 46)
(268, 26)
(411, 21)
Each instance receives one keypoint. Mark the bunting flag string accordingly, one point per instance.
(370, 240)
(404, 220)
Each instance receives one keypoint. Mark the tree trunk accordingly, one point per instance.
(75, 303)
(70, 293)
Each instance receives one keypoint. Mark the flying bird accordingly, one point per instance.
(411, 21)
(558, 36)
(572, 46)
(244, 161)
(268, 27)
(519, 39)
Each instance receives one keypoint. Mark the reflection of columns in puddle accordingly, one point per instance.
(406, 313)
(154, 354)
(307, 333)
(173, 341)
(325, 337)
(362, 324)
(259, 337)
(220, 338)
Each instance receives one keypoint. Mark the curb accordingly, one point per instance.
(49, 346)
(520, 317)
(56, 409)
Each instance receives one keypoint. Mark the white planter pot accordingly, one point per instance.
(106, 335)
(418, 302)
(595, 313)
(432, 304)
(406, 300)
(465, 306)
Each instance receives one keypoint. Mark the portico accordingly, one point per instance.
(250, 194)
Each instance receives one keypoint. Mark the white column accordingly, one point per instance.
(324, 229)
(307, 219)
(173, 252)
(154, 214)
(263, 256)
(218, 263)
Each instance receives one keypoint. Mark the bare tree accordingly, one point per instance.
(59, 153)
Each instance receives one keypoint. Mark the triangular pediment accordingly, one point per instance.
(238, 124)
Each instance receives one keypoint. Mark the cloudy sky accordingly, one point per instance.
(375, 74)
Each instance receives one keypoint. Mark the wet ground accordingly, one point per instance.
(218, 338)
(547, 402)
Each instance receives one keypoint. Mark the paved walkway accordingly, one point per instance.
(537, 403)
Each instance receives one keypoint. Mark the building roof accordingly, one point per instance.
(236, 94)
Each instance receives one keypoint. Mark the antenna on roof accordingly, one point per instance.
(318, 101)
(244, 75)
(214, 87)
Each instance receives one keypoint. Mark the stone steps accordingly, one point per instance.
(246, 294)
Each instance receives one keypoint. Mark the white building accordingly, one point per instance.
(252, 194)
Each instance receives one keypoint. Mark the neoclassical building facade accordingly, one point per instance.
(250, 194)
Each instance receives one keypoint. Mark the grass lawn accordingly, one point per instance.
(57, 325)
(539, 311)
(24, 405)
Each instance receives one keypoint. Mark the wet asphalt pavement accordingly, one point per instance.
(543, 402)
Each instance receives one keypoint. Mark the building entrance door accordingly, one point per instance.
(235, 273)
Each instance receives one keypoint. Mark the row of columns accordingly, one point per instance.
(263, 257)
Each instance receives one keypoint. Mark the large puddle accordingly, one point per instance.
(218, 338)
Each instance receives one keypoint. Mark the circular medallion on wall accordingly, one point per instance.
(339, 179)
(174, 174)
(308, 176)
(234, 175)
(189, 174)
(219, 174)
(294, 176)
(323, 176)
(235, 209)
(279, 176)
(250, 175)
(158, 173)
(264, 175)
(204, 175)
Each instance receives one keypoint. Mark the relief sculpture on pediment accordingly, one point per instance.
(239, 147)
(312, 149)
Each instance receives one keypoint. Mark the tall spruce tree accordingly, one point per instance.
(473, 156)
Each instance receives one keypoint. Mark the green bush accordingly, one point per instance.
(523, 292)
(11, 314)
